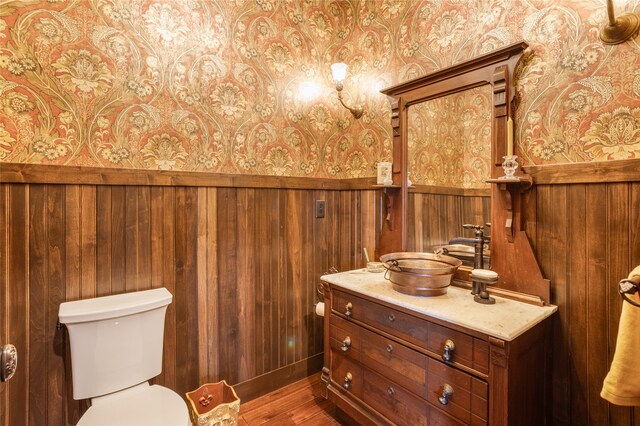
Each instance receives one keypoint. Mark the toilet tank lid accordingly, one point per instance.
(114, 306)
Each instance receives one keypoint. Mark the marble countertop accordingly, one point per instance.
(506, 319)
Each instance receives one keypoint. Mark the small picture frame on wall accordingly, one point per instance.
(384, 173)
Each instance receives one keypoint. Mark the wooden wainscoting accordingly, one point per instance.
(434, 217)
(584, 223)
(242, 263)
(587, 237)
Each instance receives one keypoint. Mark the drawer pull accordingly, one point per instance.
(389, 348)
(347, 381)
(447, 392)
(345, 344)
(391, 391)
(392, 318)
(449, 346)
(348, 309)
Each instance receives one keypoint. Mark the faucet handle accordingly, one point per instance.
(477, 228)
(470, 226)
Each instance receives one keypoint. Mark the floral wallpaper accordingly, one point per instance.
(449, 140)
(244, 86)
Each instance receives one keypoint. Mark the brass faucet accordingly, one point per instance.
(478, 243)
(478, 248)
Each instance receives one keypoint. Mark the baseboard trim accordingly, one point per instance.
(261, 385)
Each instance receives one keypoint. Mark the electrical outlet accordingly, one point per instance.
(319, 208)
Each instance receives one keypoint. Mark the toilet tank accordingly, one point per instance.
(116, 341)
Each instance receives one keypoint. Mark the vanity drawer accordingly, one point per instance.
(468, 399)
(396, 362)
(345, 336)
(468, 351)
(404, 326)
(392, 401)
(346, 373)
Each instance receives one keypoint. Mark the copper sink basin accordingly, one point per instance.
(420, 274)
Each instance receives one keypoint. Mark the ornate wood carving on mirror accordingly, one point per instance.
(512, 256)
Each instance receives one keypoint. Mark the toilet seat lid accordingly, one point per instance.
(139, 406)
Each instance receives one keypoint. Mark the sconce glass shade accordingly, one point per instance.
(620, 29)
(339, 71)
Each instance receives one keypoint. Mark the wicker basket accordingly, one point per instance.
(214, 404)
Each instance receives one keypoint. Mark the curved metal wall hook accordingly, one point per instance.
(627, 286)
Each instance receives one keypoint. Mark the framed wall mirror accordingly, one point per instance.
(449, 137)
(449, 163)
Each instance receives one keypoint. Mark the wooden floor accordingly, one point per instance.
(300, 403)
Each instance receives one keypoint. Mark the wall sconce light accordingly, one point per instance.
(339, 71)
(620, 29)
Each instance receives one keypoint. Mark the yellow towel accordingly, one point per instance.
(622, 384)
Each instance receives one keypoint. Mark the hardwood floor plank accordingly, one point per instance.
(299, 403)
(321, 419)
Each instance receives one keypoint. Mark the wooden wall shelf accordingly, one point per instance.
(511, 188)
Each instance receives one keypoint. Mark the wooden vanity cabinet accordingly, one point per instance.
(385, 364)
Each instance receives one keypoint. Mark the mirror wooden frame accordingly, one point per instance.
(512, 256)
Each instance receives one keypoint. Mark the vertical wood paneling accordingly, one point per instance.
(118, 242)
(87, 207)
(576, 305)
(38, 286)
(617, 258)
(294, 209)
(4, 287)
(18, 302)
(597, 301)
(434, 219)
(555, 216)
(104, 266)
(131, 238)
(242, 264)
(167, 256)
(212, 301)
(263, 294)
(596, 237)
(227, 261)
(202, 283)
(186, 290)
(245, 284)
(56, 276)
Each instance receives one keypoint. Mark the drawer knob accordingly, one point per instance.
(392, 318)
(449, 346)
(345, 344)
(391, 391)
(389, 348)
(347, 381)
(348, 309)
(447, 392)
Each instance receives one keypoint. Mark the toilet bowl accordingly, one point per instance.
(116, 346)
(140, 405)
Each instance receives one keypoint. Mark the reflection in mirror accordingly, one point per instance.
(449, 140)
(449, 156)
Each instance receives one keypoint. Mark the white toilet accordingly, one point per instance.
(116, 346)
